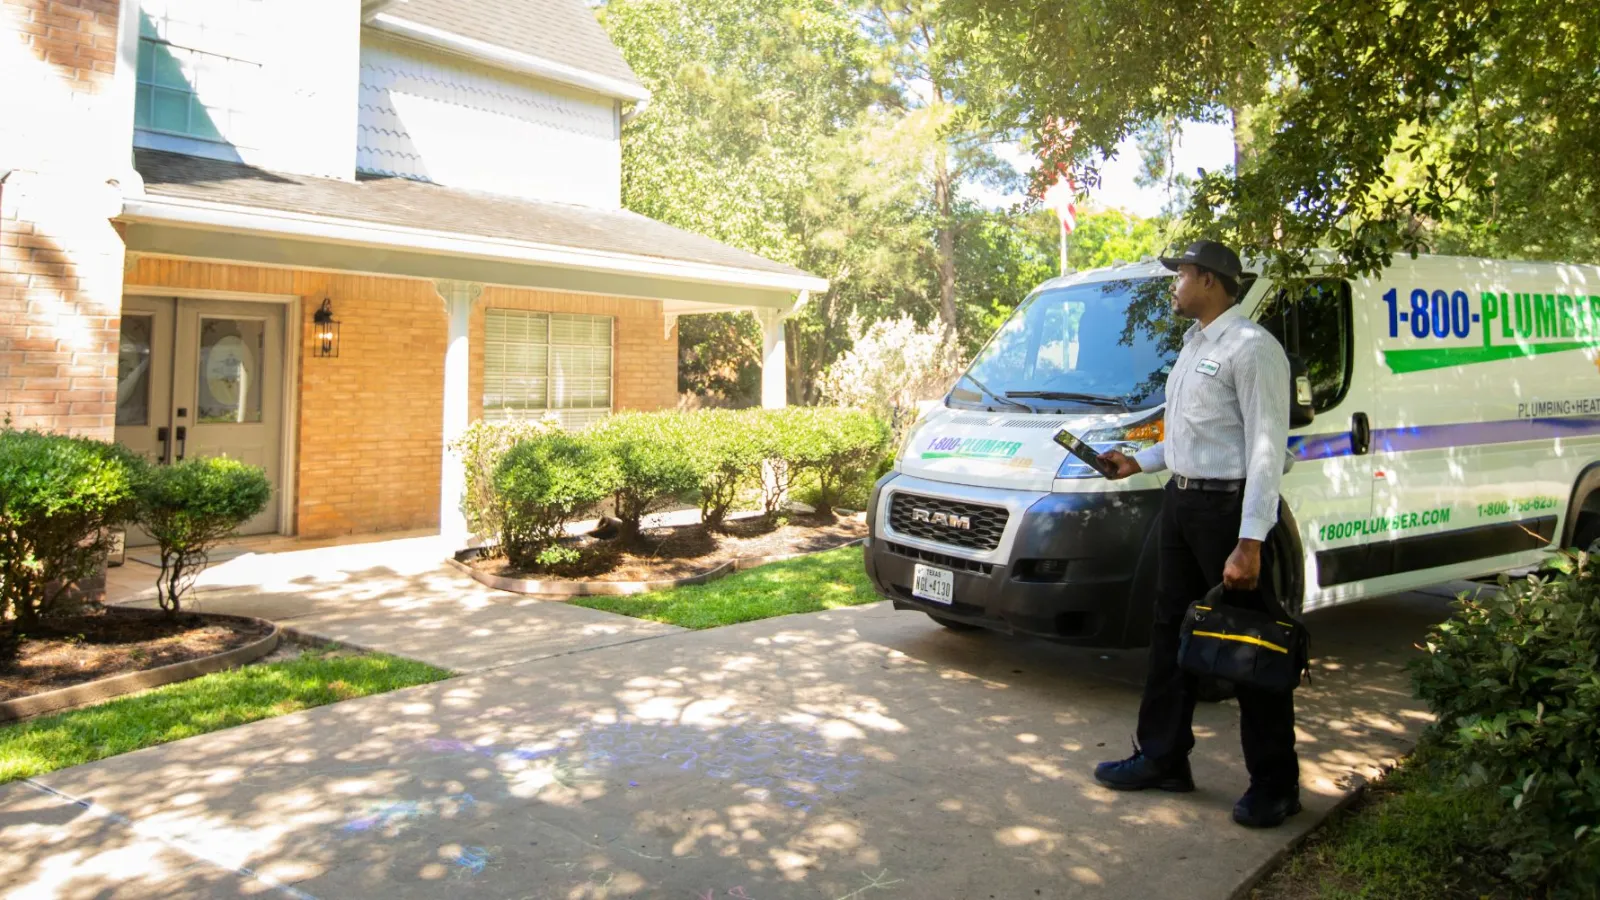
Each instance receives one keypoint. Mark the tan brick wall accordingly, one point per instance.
(370, 420)
(644, 360)
(60, 258)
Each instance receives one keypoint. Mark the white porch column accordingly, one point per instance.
(774, 359)
(458, 297)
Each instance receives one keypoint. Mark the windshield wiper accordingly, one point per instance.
(1003, 398)
(1092, 399)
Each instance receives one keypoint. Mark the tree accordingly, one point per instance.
(1371, 129)
(922, 47)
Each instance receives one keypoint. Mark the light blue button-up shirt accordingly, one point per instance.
(1228, 414)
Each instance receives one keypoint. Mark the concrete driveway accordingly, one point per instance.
(848, 755)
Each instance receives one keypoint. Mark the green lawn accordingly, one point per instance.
(1416, 836)
(823, 581)
(208, 703)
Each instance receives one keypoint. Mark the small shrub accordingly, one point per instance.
(191, 506)
(543, 483)
(557, 556)
(729, 460)
(59, 498)
(1514, 680)
(655, 455)
(783, 437)
(481, 447)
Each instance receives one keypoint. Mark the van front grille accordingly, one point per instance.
(940, 559)
(969, 525)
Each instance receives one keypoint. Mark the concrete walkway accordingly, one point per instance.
(397, 596)
(845, 755)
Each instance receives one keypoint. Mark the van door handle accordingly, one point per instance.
(1360, 434)
(164, 435)
(183, 440)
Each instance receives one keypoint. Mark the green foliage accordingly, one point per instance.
(654, 453)
(719, 358)
(823, 581)
(557, 556)
(209, 703)
(59, 496)
(1373, 129)
(1513, 679)
(189, 507)
(481, 447)
(729, 460)
(544, 482)
(837, 448)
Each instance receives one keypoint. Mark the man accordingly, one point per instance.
(1227, 423)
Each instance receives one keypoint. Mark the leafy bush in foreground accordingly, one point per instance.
(1515, 680)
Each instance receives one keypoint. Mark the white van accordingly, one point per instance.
(1456, 434)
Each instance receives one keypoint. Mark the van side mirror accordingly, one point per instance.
(1301, 409)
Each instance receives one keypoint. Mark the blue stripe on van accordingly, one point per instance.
(1436, 437)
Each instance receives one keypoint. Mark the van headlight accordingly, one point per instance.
(1128, 439)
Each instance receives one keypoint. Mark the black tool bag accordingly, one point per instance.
(1269, 650)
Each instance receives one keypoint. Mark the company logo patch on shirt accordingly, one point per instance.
(1208, 367)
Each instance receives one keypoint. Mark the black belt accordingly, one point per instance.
(1220, 485)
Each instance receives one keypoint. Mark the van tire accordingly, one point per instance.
(953, 625)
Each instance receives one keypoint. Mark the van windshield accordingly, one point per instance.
(1108, 344)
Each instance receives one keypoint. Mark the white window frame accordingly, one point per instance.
(496, 368)
(200, 39)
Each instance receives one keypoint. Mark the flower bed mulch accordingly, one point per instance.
(682, 551)
(72, 650)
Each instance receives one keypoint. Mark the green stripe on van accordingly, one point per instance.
(1402, 362)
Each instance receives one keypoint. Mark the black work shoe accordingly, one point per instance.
(1139, 772)
(1262, 807)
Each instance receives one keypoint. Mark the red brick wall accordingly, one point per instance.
(60, 258)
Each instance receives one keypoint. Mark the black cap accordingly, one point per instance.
(1208, 255)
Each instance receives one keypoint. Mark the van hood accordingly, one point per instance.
(1012, 450)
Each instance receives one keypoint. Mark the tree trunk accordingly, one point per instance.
(943, 201)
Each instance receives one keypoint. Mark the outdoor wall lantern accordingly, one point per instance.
(327, 329)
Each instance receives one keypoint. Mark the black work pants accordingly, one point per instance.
(1198, 530)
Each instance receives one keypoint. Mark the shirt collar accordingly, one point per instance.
(1218, 327)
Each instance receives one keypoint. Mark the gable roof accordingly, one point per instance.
(563, 32)
(431, 208)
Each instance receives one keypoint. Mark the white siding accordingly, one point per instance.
(435, 117)
(268, 84)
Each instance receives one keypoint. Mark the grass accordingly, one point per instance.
(1415, 836)
(822, 581)
(207, 703)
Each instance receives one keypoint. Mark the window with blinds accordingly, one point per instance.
(534, 363)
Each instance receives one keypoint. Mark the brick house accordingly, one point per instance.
(323, 236)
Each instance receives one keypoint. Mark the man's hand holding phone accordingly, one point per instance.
(1119, 465)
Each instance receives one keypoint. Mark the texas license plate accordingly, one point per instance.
(933, 585)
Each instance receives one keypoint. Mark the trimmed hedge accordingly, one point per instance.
(543, 483)
(659, 460)
(645, 462)
(482, 447)
(59, 497)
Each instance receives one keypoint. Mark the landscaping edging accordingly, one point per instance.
(133, 682)
(617, 588)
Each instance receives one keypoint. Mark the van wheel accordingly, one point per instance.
(953, 625)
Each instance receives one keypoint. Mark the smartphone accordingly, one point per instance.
(1078, 448)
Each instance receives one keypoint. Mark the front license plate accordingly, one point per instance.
(933, 585)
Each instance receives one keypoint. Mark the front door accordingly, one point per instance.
(203, 378)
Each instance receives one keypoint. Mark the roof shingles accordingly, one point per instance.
(397, 201)
(562, 31)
